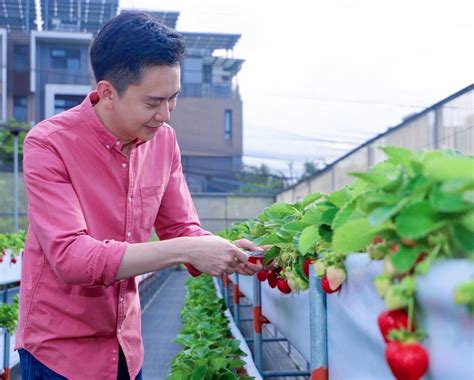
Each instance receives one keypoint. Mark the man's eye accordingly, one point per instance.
(152, 105)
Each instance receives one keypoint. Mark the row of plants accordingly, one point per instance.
(12, 242)
(209, 350)
(408, 211)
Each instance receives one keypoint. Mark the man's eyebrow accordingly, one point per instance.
(159, 98)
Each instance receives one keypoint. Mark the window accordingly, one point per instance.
(20, 108)
(228, 125)
(64, 102)
(192, 70)
(68, 59)
(20, 58)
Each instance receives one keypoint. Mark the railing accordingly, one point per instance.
(338, 333)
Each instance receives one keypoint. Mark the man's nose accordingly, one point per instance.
(163, 113)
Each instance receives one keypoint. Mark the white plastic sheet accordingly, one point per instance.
(355, 345)
(289, 313)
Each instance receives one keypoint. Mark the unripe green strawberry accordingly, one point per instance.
(382, 282)
(377, 251)
(394, 299)
(319, 268)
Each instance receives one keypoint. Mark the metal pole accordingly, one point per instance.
(317, 328)
(257, 331)
(6, 344)
(16, 204)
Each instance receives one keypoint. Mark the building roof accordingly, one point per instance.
(231, 65)
(18, 15)
(210, 41)
(63, 14)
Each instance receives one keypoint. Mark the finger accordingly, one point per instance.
(253, 267)
(266, 247)
(240, 256)
(246, 244)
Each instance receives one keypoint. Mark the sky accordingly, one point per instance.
(321, 77)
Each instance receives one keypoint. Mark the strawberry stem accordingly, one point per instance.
(411, 310)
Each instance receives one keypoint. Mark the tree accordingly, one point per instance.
(261, 178)
(6, 141)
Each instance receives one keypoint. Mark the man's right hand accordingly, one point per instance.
(212, 254)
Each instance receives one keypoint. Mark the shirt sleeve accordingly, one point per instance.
(57, 220)
(177, 215)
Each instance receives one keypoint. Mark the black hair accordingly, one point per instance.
(131, 42)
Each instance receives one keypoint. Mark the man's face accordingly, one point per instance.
(143, 108)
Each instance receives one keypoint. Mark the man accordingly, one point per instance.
(98, 178)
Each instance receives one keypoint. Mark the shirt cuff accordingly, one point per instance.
(108, 261)
(192, 270)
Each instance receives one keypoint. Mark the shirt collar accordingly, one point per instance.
(106, 137)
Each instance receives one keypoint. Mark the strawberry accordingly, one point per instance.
(336, 276)
(392, 320)
(13, 260)
(319, 268)
(377, 239)
(382, 283)
(255, 260)
(407, 360)
(262, 275)
(394, 248)
(326, 287)
(283, 286)
(306, 264)
(272, 278)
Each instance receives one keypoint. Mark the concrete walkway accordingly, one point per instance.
(160, 325)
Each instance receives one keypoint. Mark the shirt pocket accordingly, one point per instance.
(151, 200)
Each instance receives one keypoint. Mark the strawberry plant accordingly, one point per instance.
(14, 242)
(209, 350)
(9, 315)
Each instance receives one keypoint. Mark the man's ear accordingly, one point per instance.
(107, 93)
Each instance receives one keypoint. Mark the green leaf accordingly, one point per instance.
(383, 213)
(308, 239)
(236, 363)
(310, 199)
(447, 202)
(328, 215)
(355, 235)
(348, 212)
(449, 168)
(463, 238)
(418, 220)
(339, 198)
(405, 257)
(468, 221)
(312, 216)
(456, 185)
(271, 254)
(378, 180)
(294, 227)
(468, 196)
(199, 372)
(401, 156)
(268, 239)
(325, 231)
(280, 209)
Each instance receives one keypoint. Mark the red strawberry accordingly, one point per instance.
(392, 320)
(255, 260)
(306, 265)
(262, 275)
(326, 287)
(283, 286)
(13, 260)
(408, 361)
(394, 248)
(272, 278)
(377, 239)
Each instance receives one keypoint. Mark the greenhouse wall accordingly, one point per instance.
(448, 124)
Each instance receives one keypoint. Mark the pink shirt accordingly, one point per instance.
(86, 202)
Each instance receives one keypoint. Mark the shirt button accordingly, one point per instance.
(129, 233)
(124, 164)
(117, 143)
(114, 359)
(107, 146)
(129, 199)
